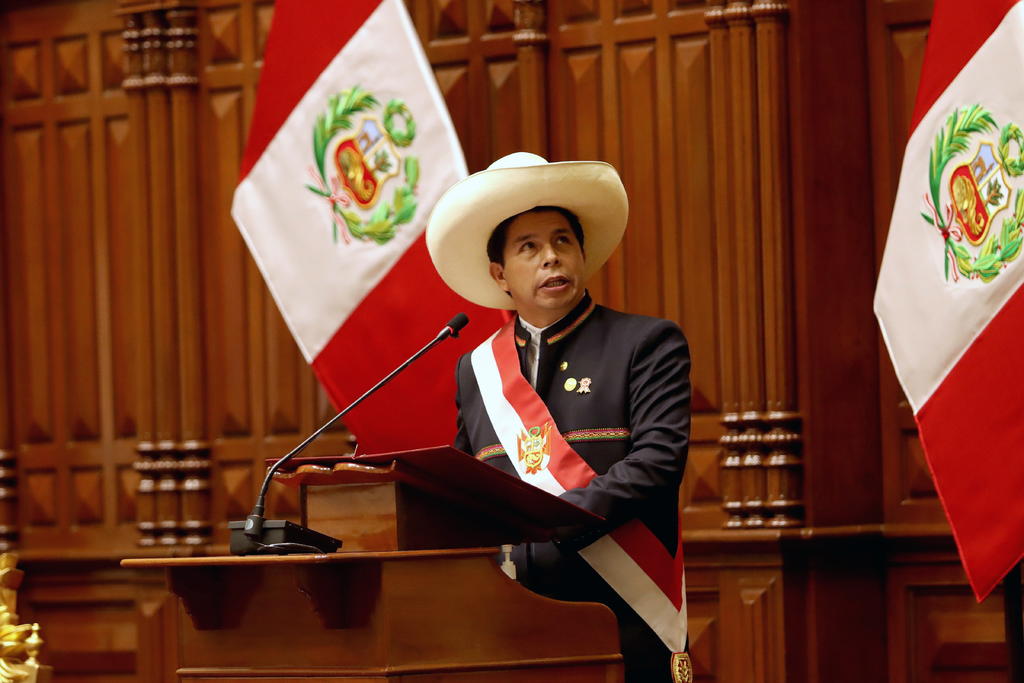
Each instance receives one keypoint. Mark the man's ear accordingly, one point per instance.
(498, 273)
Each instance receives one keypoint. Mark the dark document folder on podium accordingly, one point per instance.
(426, 498)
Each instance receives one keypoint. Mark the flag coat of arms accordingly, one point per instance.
(949, 298)
(350, 147)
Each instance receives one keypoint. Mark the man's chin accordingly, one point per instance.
(554, 300)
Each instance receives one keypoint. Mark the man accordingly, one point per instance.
(585, 402)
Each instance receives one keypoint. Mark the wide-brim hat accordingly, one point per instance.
(466, 215)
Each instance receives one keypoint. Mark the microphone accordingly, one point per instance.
(456, 324)
(247, 537)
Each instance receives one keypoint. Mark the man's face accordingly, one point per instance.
(543, 269)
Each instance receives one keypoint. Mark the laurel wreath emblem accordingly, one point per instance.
(400, 126)
(1001, 248)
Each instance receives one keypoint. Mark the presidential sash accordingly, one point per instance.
(630, 559)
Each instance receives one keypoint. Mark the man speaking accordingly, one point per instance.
(584, 402)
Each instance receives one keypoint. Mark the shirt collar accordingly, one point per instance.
(530, 329)
(557, 331)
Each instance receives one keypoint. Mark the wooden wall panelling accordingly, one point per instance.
(291, 395)
(25, 225)
(635, 94)
(751, 616)
(834, 607)
(227, 72)
(897, 34)
(157, 619)
(833, 259)
(706, 639)
(692, 291)
(470, 45)
(225, 104)
(125, 298)
(61, 119)
(688, 245)
(101, 623)
(939, 632)
(261, 397)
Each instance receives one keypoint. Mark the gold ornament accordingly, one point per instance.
(682, 670)
(570, 384)
(19, 643)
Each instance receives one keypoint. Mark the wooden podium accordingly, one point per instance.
(411, 597)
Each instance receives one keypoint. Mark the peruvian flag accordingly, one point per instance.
(350, 147)
(949, 298)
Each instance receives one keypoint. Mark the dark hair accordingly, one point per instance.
(496, 242)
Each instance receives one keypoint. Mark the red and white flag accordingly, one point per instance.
(949, 297)
(350, 147)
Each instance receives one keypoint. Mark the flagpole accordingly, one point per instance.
(1014, 620)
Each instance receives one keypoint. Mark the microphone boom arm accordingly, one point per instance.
(254, 522)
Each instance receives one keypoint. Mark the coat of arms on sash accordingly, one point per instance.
(984, 174)
(359, 158)
(682, 669)
(535, 448)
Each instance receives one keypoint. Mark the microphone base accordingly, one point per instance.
(280, 537)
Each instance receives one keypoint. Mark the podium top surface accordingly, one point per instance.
(320, 558)
(448, 474)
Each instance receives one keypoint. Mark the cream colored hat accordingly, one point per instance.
(467, 214)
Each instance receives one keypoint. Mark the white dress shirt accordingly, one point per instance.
(532, 350)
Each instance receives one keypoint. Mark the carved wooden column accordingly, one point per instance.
(8, 498)
(725, 240)
(134, 85)
(192, 448)
(8, 461)
(145, 495)
(174, 456)
(161, 212)
(744, 160)
(783, 467)
(531, 53)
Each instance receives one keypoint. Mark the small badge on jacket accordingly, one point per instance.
(584, 386)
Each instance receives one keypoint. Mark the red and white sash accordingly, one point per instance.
(630, 559)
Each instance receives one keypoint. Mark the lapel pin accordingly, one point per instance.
(584, 386)
(570, 384)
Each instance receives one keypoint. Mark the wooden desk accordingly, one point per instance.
(426, 616)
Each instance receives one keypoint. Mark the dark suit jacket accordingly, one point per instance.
(632, 428)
